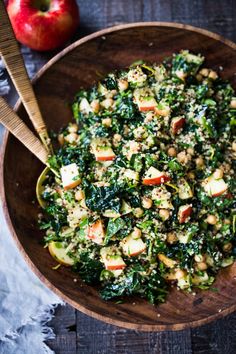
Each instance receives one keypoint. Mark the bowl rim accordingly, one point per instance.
(42, 277)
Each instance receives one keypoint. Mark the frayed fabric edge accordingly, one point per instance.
(46, 314)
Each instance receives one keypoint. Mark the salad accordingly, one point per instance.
(142, 197)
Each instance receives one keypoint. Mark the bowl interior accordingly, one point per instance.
(55, 88)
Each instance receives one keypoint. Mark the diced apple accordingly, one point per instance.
(111, 214)
(146, 103)
(184, 283)
(132, 246)
(184, 189)
(110, 260)
(184, 213)
(102, 151)
(177, 124)
(59, 253)
(163, 109)
(96, 232)
(125, 208)
(84, 106)
(200, 279)
(175, 274)
(162, 198)
(170, 263)
(117, 272)
(155, 177)
(215, 187)
(70, 176)
(132, 175)
(184, 237)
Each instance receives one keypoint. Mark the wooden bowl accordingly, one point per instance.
(55, 86)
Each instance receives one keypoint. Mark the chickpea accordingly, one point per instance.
(211, 219)
(227, 247)
(180, 273)
(183, 158)
(218, 173)
(95, 105)
(111, 93)
(79, 195)
(199, 77)
(107, 122)
(172, 152)
(204, 72)
(123, 84)
(126, 130)
(213, 75)
(164, 214)
(61, 139)
(146, 202)
(191, 175)
(201, 266)
(234, 145)
(199, 258)
(116, 139)
(233, 103)
(73, 128)
(190, 151)
(107, 103)
(71, 138)
(171, 237)
(199, 162)
(138, 212)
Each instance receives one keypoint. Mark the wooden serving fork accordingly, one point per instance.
(11, 55)
(19, 129)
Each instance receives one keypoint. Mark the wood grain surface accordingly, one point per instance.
(78, 333)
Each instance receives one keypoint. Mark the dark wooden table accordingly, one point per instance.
(77, 333)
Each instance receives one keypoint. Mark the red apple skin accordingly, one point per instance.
(219, 193)
(105, 158)
(43, 30)
(156, 180)
(116, 267)
(183, 215)
(137, 253)
(177, 124)
(95, 230)
(145, 109)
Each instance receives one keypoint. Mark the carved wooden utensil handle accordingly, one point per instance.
(11, 55)
(18, 128)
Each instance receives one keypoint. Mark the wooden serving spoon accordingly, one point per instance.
(11, 55)
(19, 129)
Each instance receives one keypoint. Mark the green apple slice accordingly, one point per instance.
(59, 253)
(40, 187)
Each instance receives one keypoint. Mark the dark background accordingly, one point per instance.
(77, 333)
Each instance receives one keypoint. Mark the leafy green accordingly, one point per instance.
(114, 225)
(88, 268)
(153, 288)
(102, 198)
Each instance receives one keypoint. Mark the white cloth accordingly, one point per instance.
(26, 305)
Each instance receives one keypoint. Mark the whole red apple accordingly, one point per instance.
(43, 24)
